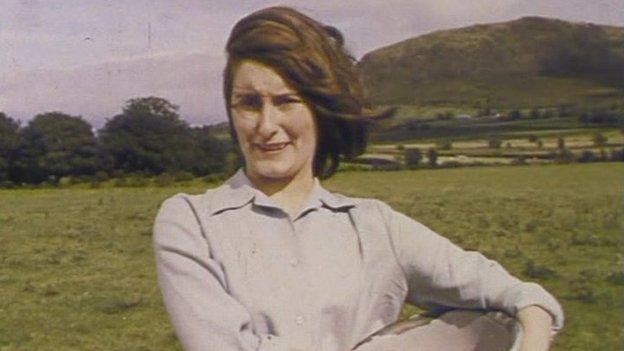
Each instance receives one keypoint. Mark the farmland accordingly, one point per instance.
(77, 272)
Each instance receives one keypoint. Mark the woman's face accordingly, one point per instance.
(276, 129)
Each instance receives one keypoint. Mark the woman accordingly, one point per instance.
(271, 260)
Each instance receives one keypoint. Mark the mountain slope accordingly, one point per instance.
(531, 61)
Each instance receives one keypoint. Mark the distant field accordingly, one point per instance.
(77, 272)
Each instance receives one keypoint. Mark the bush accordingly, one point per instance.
(514, 115)
(518, 161)
(599, 139)
(5, 184)
(617, 155)
(217, 177)
(137, 181)
(164, 179)
(564, 155)
(495, 143)
(413, 157)
(588, 156)
(101, 176)
(183, 176)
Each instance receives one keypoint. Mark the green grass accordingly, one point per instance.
(77, 272)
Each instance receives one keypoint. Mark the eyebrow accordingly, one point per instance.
(240, 90)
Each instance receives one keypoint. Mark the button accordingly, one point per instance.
(294, 262)
(299, 320)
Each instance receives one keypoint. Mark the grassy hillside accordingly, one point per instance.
(77, 271)
(528, 62)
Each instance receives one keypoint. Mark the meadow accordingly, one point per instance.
(77, 271)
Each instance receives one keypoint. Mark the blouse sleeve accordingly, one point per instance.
(192, 283)
(442, 275)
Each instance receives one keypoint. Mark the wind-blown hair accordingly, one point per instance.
(312, 59)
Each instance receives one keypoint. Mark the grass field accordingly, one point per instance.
(77, 272)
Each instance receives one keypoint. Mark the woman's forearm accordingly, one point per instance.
(537, 327)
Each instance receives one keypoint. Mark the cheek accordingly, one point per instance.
(243, 133)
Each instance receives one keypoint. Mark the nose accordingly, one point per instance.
(267, 123)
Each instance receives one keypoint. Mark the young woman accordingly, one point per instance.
(271, 260)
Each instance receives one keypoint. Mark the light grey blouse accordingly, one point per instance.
(238, 273)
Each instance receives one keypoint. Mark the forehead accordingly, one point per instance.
(255, 76)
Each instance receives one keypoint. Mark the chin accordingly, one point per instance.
(275, 171)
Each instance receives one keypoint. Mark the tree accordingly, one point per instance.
(514, 115)
(413, 156)
(599, 139)
(148, 136)
(432, 156)
(209, 152)
(8, 144)
(55, 144)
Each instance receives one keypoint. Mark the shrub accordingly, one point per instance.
(413, 157)
(101, 176)
(599, 139)
(519, 160)
(495, 143)
(5, 184)
(164, 179)
(588, 156)
(137, 181)
(215, 177)
(514, 115)
(564, 155)
(183, 176)
(617, 155)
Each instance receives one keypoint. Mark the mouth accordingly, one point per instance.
(271, 147)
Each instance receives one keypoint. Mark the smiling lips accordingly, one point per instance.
(272, 147)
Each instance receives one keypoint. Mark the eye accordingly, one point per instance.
(248, 102)
(286, 99)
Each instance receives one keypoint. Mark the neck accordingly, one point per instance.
(288, 193)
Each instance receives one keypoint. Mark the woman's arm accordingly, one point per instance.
(193, 284)
(442, 275)
(536, 324)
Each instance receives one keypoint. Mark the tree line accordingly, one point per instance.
(147, 137)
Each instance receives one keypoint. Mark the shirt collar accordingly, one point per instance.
(238, 191)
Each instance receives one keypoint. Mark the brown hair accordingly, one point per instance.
(311, 58)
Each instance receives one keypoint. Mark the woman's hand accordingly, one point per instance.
(536, 324)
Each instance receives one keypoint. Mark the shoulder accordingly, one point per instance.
(366, 207)
(371, 209)
(183, 203)
(206, 202)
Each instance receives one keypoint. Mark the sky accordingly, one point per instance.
(86, 57)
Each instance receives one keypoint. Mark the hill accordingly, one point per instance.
(528, 62)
